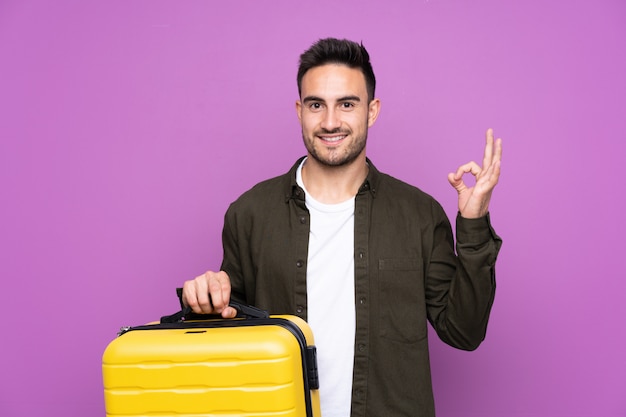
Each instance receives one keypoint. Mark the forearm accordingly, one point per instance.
(463, 313)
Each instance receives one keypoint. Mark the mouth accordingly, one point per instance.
(332, 139)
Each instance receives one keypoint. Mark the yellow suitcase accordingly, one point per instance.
(254, 366)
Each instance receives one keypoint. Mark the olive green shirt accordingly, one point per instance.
(406, 273)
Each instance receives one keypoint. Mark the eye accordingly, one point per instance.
(315, 106)
(347, 105)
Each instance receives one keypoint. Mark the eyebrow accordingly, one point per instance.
(308, 99)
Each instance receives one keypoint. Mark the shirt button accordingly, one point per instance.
(361, 255)
(362, 300)
(361, 347)
(299, 309)
(299, 263)
(302, 219)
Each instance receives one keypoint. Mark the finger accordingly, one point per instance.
(229, 313)
(456, 182)
(489, 178)
(219, 289)
(498, 152)
(452, 179)
(189, 299)
(471, 167)
(493, 169)
(191, 291)
(488, 155)
(215, 294)
(202, 283)
(493, 173)
(225, 283)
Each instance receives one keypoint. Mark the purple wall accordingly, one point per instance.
(127, 127)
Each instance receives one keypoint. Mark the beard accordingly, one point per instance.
(335, 157)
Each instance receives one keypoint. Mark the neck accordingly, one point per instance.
(334, 184)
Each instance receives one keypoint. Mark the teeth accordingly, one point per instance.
(334, 138)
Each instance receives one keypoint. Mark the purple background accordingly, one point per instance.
(127, 127)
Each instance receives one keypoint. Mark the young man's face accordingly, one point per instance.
(335, 114)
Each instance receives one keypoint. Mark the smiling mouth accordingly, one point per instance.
(332, 138)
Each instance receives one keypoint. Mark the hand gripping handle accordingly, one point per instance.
(243, 311)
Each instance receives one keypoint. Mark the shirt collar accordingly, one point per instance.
(369, 185)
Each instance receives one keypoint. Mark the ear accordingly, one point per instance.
(299, 110)
(373, 111)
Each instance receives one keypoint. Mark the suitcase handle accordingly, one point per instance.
(243, 311)
(249, 311)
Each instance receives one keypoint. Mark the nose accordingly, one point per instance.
(331, 120)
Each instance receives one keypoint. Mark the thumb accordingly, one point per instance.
(229, 313)
(456, 181)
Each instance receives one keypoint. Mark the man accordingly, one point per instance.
(366, 259)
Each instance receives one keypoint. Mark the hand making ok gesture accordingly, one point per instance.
(474, 201)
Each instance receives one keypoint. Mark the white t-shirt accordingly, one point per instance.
(330, 299)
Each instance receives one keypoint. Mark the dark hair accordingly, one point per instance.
(338, 51)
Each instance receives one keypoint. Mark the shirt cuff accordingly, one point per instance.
(474, 231)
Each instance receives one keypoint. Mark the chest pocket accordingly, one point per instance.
(402, 304)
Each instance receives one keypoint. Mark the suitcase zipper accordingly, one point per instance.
(123, 330)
